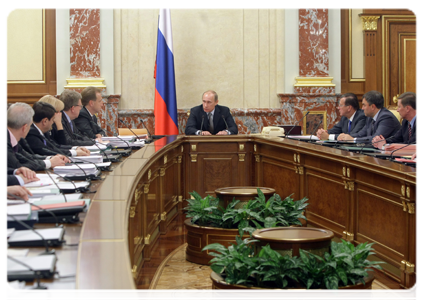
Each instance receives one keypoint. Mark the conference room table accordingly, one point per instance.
(358, 197)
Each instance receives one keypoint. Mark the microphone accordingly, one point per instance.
(315, 129)
(202, 122)
(296, 123)
(117, 136)
(40, 208)
(95, 143)
(227, 128)
(150, 138)
(37, 274)
(147, 141)
(49, 175)
(48, 251)
(392, 153)
(78, 190)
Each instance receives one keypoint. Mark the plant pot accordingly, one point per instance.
(288, 240)
(242, 193)
(223, 291)
(199, 236)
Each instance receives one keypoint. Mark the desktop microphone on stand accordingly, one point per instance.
(296, 123)
(314, 131)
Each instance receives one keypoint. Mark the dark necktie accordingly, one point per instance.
(15, 148)
(71, 125)
(373, 127)
(409, 131)
(210, 115)
(349, 126)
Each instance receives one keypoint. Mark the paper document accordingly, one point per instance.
(303, 137)
(87, 159)
(19, 209)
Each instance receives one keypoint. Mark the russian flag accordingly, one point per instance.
(165, 109)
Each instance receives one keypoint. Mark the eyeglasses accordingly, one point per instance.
(79, 106)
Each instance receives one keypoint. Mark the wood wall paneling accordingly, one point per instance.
(29, 92)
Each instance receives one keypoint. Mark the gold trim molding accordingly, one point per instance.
(75, 83)
(313, 81)
(369, 22)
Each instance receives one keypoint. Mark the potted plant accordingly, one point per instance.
(239, 266)
(211, 223)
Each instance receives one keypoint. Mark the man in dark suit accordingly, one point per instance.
(352, 121)
(38, 139)
(210, 118)
(92, 100)
(407, 134)
(380, 121)
(73, 106)
(19, 120)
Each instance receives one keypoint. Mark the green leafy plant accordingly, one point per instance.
(239, 264)
(204, 211)
(255, 214)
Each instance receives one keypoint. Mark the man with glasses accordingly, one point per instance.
(73, 105)
(352, 121)
(86, 122)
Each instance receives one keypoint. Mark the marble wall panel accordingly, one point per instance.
(313, 43)
(293, 106)
(84, 43)
(247, 120)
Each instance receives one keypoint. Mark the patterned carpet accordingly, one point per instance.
(176, 273)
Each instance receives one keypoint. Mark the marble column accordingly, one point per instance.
(84, 29)
(313, 90)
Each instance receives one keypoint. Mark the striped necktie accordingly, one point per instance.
(210, 115)
(409, 131)
(349, 126)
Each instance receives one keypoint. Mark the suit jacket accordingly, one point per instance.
(221, 114)
(21, 158)
(73, 138)
(386, 125)
(11, 179)
(402, 135)
(357, 124)
(87, 124)
(36, 142)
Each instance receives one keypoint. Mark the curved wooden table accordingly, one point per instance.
(359, 198)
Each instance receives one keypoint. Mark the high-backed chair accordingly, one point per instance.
(126, 131)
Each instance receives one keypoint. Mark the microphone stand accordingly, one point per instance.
(202, 122)
(48, 251)
(36, 273)
(146, 141)
(150, 137)
(227, 128)
(95, 144)
(117, 136)
(314, 131)
(392, 153)
(296, 123)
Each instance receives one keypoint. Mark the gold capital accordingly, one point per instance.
(369, 22)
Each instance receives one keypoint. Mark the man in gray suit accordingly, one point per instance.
(380, 121)
(352, 121)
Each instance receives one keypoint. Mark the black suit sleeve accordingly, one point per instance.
(12, 180)
(231, 122)
(194, 121)
(361, 122)
(37, 145)
(337, 128)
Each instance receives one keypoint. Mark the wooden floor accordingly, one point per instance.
(176, 237)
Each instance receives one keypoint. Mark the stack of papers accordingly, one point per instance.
(87, 169)
(96, 147)
(126, 138)
(87, 159)
(45, 180)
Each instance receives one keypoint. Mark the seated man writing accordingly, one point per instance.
(210, 118)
